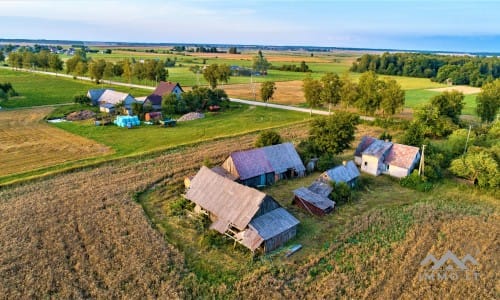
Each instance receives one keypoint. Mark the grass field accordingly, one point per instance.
(37, 89)
(146, 138)
(27, 142)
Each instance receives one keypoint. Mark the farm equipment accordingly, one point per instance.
(167, 122)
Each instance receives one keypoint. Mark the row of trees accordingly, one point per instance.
(303, 67)
(198, 99)
(368, 95)
(29, 60)
(470, 70)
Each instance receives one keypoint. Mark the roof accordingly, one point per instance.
(366, 141)
(401, 156)
(251, 163)
(343, 173)
(161, 89)
(377, 148)
(273, 223)
(95, 94)
(114, 97)
(230, 202)
(222, 172)
(321, 188)
(276, 158)
(317, 200)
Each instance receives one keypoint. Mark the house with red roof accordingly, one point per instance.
(383, 157)
(163, 88)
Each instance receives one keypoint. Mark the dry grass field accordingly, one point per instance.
(28, 143)
(465, 89)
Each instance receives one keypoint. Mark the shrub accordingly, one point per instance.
(268, 138)
(414, 181)
(326, 161)
(341, 193)
(82, 99)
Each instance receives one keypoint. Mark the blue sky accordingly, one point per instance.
(405, 24)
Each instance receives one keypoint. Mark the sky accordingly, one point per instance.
(458, 25)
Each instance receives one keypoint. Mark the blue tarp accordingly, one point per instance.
(127, 121)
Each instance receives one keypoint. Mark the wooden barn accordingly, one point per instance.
(247, 215)
(312, 202)
(266, 165)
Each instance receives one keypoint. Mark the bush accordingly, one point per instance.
(268, 138)
(82, 99)
(414, 181)
(326, 162)
(341, 193)
(385, 136)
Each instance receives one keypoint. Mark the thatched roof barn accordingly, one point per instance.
(249, 216)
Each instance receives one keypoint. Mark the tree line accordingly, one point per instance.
(30, 60)
(468, 70)
(369, 95)
(303, 67)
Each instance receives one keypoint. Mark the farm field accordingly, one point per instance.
(86, 228)
(27, 142)
(38, 89)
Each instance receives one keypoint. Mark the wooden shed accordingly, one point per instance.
(247, 215)
(312, 202)
(263, 166)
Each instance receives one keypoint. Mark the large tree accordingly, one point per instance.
(127, 70)
(96, 69)
(312, 92)
(330, 94)
(260, 63)
(349, 91)
(488, 101)
(2, 56)
(449, 104)
(215, 73)
(55, 63)
(267, 90)
(333, 134)
(478, 166)
(369, 93)
(392, 97)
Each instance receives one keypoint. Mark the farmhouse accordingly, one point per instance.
(107, 99)
(379, 157)
(247, 215)
(163, 88)
(264, 166)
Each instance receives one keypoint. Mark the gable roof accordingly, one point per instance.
(321, 188)
(317, 200)
(401, 156)
(343, 173)
(273, 223)
(95, 94)
(230, 202)
(276, 158)
(113, 97)
(366, 141)
(161, 89)
(377, 148)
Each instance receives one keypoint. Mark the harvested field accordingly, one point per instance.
(28, 143)
(80, 235)
(465, 89)
(287, 92)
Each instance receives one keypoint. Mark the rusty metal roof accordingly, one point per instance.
(402, 156)
(230, 202)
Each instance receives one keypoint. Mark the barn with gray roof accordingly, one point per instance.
(263, 166)
(247, 215)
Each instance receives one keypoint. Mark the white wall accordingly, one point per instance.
(370, 164)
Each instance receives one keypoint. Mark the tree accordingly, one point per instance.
(414, 135)
(215, 73)
(260, 63)
(480, 167)
(139, 71)
(2, 56)
(392, 97)
(137, 108)
(267, 90)
(72, 63)
(433, 123)
(233, 50)
(108, 70)
(82, 99)
(369, 93)
(168, 104)
(312, 92)
(81, 68)
(449, 104)
(55, 63)
(488, 101)
(333, 134)
(96, 69)
(268, 138)
(127, 70)
(348, 91)
(330, 94)
(223, 73)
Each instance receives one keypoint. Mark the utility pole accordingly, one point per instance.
(421, 166)
(467, 142)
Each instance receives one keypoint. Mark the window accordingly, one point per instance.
(366, 163)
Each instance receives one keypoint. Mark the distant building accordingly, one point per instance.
(380, 157)
(163, 88)
(247, 215)
(107, 99)
(263, 166)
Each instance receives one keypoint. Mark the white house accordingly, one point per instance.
(107, 99)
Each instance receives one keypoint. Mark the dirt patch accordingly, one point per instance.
(80, 115)
(465, 89)
(191, 116)
(28, 143)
